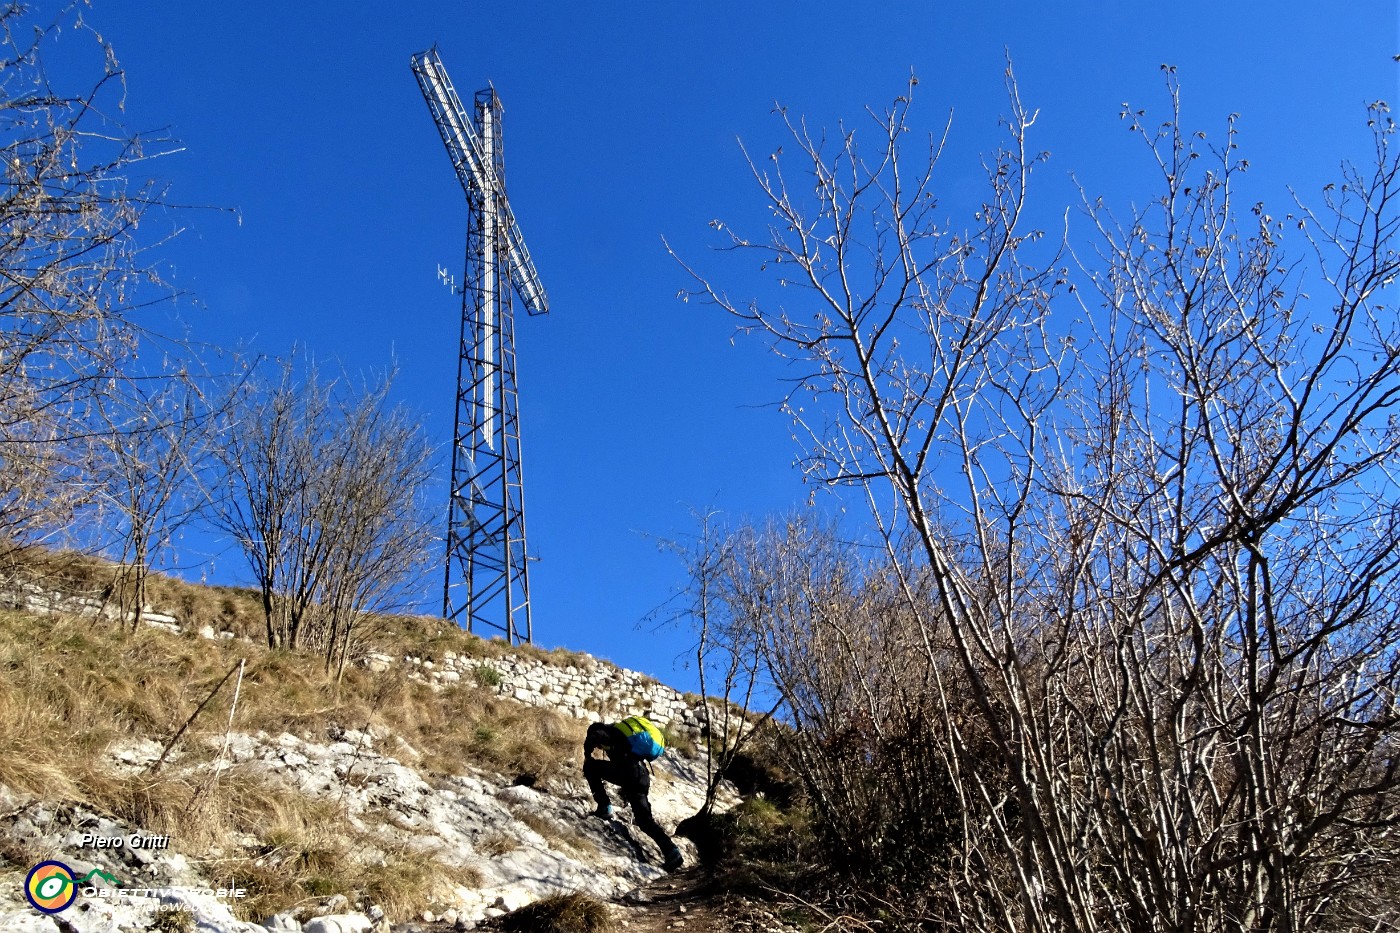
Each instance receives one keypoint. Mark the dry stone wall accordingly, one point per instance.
(592, 689)
(34, 598)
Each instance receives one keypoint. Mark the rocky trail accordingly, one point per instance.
(522, 844)
(686, 900)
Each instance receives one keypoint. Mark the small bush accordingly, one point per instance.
(753, 847)
(562, 913)
(486, 676)
(497, 844)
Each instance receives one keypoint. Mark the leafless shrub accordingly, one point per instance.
(322, 488)
(144, 467)
(719, 610)
(1149, 556)
(73, 271)
(862, 726)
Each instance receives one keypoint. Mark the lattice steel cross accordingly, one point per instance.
(486, 580)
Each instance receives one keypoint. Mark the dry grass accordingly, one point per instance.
(308, 850)
(470, 724)
(94, 684)
(562, 913)
(432, 637)
(406, 881)
(305, 848)
(68, 571)
(70, 688)
(239, 609)
(494, 845)
(224, 608)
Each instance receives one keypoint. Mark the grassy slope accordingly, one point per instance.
(70, 688)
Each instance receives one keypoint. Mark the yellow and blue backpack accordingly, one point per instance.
(644, 739)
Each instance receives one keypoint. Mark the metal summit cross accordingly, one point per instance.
(486, 581)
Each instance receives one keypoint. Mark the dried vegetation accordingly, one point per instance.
(96, 685)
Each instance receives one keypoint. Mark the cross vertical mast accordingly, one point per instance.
(486, 578)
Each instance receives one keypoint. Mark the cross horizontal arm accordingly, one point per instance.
(464, 148)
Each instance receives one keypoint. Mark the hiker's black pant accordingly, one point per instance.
(635, 783)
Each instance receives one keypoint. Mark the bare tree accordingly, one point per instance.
(737, 694)
(144, 464)
(322, 488)
(1155, 547)
(263, 453)
(72, 269)
(374, 515)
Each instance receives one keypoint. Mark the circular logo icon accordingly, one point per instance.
(50, 887)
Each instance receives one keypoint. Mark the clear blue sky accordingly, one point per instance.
(621, 126)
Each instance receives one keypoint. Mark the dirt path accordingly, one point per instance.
(688, 901)
(682, 901)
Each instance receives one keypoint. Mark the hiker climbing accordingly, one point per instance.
(629, 745)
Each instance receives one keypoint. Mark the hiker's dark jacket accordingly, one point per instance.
(628, 771)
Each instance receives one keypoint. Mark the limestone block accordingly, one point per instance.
(519, 794)
(339, 923)
(167, 626)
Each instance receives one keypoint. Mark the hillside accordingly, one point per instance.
(436, 785)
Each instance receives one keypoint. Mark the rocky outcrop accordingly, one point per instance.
(521, 843)
(515, 843)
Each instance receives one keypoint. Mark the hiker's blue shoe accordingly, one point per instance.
(604, 811)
